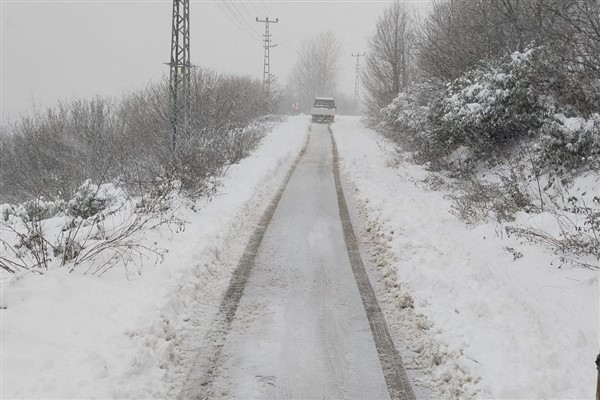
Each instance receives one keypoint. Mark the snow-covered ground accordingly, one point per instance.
(485, 323)
(80, 336)
(476, 320)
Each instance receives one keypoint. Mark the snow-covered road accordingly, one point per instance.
(470, 319)
(301, 330)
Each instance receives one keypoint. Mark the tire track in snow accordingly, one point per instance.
(199, 387)
(391, 363)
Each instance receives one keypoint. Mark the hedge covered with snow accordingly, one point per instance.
(497, 106)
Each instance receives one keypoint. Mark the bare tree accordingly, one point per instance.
(575, 32)
(458, 35)
(315, 71)
(388, 64)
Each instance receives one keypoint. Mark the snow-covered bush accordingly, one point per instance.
(51, 153)
(29, 252)
(577, 238)
(101, 226)
(405, 118)
(407, 122)
(24, 225)
(570, 144)
(243, 141)
(475, 201)
(88, 200)
(496, 106)
(37, 209)
(490, 108)
(59, 153)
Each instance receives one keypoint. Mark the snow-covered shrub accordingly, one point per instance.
(406, 121)
(405, 118)
(24, 224)
(570, 144)
(88, 200)
(578, 237)
(489, 108)
(100, 227)
(203, 157)
(242, 141)
(7, 210)
(31, 252)
(475, 201)
(34, 210)
(52, 152)
(495, 106)
(61, 152)
(583, 238)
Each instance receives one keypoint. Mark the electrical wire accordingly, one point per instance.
(248, 13)
(225, 7)
(243, 20)
(240, 16)
(266, 7)
(251, 3)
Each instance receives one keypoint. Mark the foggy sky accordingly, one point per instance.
(55, 50)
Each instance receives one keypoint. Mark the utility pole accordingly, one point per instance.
(357, 80)
(267, 63)
(179, 76)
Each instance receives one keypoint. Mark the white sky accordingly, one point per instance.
(53, 50)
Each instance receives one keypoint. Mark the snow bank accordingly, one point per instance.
(499, 310)
(79, 336)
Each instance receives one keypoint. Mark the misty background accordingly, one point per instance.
(57, 50)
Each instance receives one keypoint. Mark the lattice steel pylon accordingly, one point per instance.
(267, 63)
(179, 77)
(357, 80)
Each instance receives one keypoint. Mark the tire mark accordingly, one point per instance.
(391, 363)
(229, 305)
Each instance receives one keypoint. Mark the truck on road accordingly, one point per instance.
(323, 109)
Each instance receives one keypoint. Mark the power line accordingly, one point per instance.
(243, 5)
(243, 20)
(235, 19)
(234, 14)
(240, 19)
(248, 13)
(230, 17)
(266, 7)
(254, 8)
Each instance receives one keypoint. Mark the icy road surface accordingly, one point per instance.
(301, 330)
